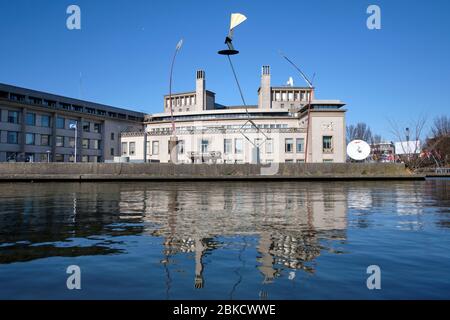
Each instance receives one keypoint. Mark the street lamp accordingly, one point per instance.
(48, 156)
(173, 142)
(75, 127)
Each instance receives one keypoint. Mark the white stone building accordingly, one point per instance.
(275, 130)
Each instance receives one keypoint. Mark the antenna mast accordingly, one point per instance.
(310, 94)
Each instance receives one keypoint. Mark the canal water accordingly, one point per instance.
(226, 240)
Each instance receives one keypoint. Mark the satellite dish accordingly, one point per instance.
(236, 19)
(358, 150)
(290, 82)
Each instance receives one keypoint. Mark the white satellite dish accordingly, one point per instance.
(358, 150)
(290, 82)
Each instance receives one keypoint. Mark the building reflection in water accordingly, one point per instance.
(287, 225)
(288, 221)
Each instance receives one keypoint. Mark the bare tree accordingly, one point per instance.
(376, 138)
(360, 131)
(441, 127)
(410, 135)
(438, 146)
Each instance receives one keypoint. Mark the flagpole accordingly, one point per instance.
(76, 141)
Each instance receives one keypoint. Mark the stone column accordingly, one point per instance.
(173, 149)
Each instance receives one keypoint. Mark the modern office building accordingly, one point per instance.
(274, 131)
(40, 127)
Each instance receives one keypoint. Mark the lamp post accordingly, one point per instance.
(75, 127)
(173, 142)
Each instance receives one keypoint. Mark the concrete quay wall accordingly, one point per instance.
(155, 171)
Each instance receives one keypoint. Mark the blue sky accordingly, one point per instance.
(124, 50)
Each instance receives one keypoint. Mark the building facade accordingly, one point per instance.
(40, 127)
(274, 131)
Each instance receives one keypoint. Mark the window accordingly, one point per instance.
(112, 135)
(35, 100)
(238, 146)
(45, 121)
(132, 148)
(327, 160)
(59, 141)
(29, 139)
(204, 146)
(13, 117)
(45, 140)
(180, 147)
(85, 144)
(97, 128)
(282, 105)
(71, 142)
(60, 123)
(227, 146)
(269, 146)
(31, 119)
(86, 126)
(59, 157)
(112, 152)
(300, 160)
(65, 105)
(17, 97)
(289, 145)
(49, 103)
(11, 156)
(155, 147)
(44, 157)
(300, 145)
(327, 144)
(124, 148)
(289, 161)
(95, 144)
(12, 137)
(85, 158)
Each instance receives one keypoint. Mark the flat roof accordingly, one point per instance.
(63, 99)
(218, 111)
(175, 94)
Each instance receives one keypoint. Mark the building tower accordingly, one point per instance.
(200, 91)
(264, 94)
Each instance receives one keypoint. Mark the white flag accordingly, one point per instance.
(237, 19)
